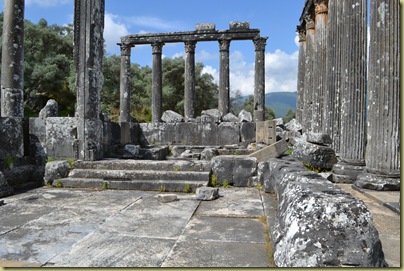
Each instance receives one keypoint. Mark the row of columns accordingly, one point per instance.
(334, 84)
(189, 91)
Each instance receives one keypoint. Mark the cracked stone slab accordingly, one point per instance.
(225, 229)
(115, 250)
(202, 253)
(234, 202)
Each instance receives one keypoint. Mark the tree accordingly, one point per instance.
(289, 116)
(249, 106)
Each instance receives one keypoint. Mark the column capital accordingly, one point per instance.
(321, 7)
(224, 44)
(190, 46)
(157, 47)
(310, 23)
(301, 31)
(125, 48)
(260, 43)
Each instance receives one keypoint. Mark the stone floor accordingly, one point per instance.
(53, 227)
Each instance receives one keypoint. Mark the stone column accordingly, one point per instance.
(301, 73)
(224, 79)
(353, 92)
(259, 79)
(125, 86)
(383, 128)
(309, 72)
(157, 83)
(189, 94)
(12, 62)
(319, 69)
(89, 52)
(331, 114)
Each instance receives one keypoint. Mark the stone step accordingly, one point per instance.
(144, 185)
(107, 174)
(170, 165)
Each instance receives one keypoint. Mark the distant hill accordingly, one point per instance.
(280, 102)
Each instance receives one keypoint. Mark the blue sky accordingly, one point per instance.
(277, 19)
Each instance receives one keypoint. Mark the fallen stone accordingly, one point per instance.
(188, 154)
(235, 170)
(56, 170)
(245, 116)
(209, 153)
(131, 151)
(51, 109)
(294, 125)
(165, 198)
(207, 193)
(377, 182)
(279, 122)
(271, 151)
(5, 189)
(215, 114)
(319, 138)
(230, 117)
(317, 156)
(170, 116)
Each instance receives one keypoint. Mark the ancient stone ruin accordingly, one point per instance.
(316, 223)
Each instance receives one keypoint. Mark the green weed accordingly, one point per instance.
(59, 184)
(226, 184)
(105, 186)
(162, 188)
(187, 188)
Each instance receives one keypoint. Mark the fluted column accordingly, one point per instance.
(383, 129)
(12, 62)
(309, 73)
(157, 83)
(319, 80)
(259, 79)
(353, 92)
(125, 85)
(224, 77)
(301, 73)
(189, 95)
(331, 113)
(89, 52)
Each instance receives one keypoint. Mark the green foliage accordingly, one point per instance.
(59, 184)
(289, 116)
(213, 181)
(162, 188)
(71, 162)
(187, 188)
(9, 161)
(104, 185)
(259, 186)
(314, 169)
(50, 159)
(289, 152)
(226, 184)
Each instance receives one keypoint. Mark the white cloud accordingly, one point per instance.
(214, 72)
(152, 22)
(113, 32)
(47, 3)
(204, 55)
(182, 54)
(297, 40)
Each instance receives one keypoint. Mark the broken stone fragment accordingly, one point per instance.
(207, 193)
(131, 151)
(245, 116)
(319, 138)
(294, 125)
(165, 198)
(230, 117)
(51, 109)
(170, 116)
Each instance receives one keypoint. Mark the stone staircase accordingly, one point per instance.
(147, 175)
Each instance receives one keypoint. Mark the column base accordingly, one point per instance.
(346, 173)
(378, 182)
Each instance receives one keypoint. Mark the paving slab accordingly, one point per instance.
(115, 250)
(234, 202)
(202, 253)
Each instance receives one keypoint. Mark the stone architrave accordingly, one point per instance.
(301, 73)
(12, 62)
(125, 86)
(189, 94)
(157, 83)
(309, 72)
(353, 92)
(331, 113)
(89, 52)
(259, 79)
(383, 130)
(224, 77)
(319, 65)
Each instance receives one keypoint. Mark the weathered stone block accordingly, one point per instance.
(266, 132)
(56, 170)
(170, 116)
(61, 138)
(11, 138)
(235, 170)
(245, 116)
(207, 193)
(319, 138)
(51, 109)
(230, 117)
(247, 132)
(37, 137)
(165, 198)
(271, 151)
(150, 133)
(167, 133)
(228, 133)
(205, 27)
(378, 182)
(294, 125)
(5, 189)
(187, 133)
(208, 133)
(215, 115)
(209, 153)
(315, 155)
(239, 25)
(131, 151)
(129, 132)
